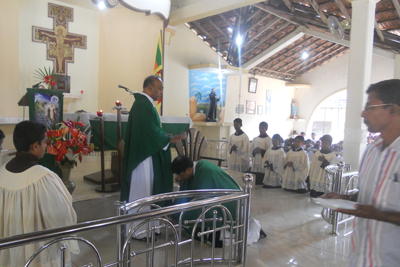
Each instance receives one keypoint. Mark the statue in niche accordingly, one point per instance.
(293, 114)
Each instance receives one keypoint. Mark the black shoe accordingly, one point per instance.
(262, 234)
(316, 194)
(300, 191)
(270, 186)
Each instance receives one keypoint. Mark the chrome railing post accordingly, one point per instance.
(247, 179)
(337, 189)
(121, 232)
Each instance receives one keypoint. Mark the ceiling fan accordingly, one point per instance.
(337, 27)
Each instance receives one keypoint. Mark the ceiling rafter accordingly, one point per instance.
(259, 11)
(343, 9)
(334, 53)
(289, 5)
(218, 29)
(206, 32)
(397, 7)
(269, 35)
(227, 22)
(289, 51)
(257, 22)
(262, 30)
(300, 52)
(318, 9)
(328, 59)
(295, 68)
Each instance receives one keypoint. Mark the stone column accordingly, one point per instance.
(360, 58)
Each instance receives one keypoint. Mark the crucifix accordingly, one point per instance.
(60, 43)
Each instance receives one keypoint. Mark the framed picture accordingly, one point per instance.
(45, 106)
(253, 85)
(259, 110)
(239, 109)
(63, 83)
(250, 107)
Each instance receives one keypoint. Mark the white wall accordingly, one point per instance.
(32, 55)
(185, 49)
(280, 105)
(331, 78)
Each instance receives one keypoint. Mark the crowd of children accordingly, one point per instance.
(297, 166)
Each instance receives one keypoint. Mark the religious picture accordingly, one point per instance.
(45, 106)
(268, 103)
(207, 94)
(250, 107)
(253, 85)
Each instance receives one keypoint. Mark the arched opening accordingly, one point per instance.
(329, 116)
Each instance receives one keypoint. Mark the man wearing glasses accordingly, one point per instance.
(376, 234)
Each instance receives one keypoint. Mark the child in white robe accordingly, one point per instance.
(274, 160)
(258, 147)
(322, 158)
(296, 168)
(238, 147)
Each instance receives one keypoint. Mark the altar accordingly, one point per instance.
(170, 124)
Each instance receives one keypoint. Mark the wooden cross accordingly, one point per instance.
(60, 43)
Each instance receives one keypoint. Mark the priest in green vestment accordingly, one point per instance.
(204, 175)
(147, 157)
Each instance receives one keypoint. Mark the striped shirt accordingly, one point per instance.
(376, 243)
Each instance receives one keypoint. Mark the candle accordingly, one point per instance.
(100, 113)
(81, 92)
(118, 103)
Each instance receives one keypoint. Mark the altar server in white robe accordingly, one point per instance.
(238, 147)
(258, 147)
(322, 158)
(296, 168)
(33, 198)
(274, 160)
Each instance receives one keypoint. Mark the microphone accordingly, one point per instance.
(36, 85)
(120, 86)
(126, 89)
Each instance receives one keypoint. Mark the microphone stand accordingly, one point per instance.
(126, 89)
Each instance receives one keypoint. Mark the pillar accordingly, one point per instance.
(396, 67)
(360, 58)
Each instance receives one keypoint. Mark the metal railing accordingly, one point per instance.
(340, 182)
(203, 200)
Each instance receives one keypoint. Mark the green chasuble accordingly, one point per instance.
(208, 176)
(144, 138)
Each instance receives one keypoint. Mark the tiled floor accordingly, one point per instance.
(297, 235)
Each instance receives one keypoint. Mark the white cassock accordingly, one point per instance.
(239, 159)
(142, 178)
(263, 143)
(296, 179)
(317, 174)
(31, 201)
(277, 158)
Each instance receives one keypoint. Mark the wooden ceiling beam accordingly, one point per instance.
(265, 38)
(289, 5)
(227, 22)
(205, 31)
(299, 52)
(344, 50)
(318, 9)
(378, 31)
(218, 29)
(259, 11)
(286, 50)
(312, 58)
(343, 9)
(263, 29)
(257, 22)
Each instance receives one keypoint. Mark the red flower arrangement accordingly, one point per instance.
(49, 80)
(68, 138)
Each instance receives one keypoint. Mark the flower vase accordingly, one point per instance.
(66, 172)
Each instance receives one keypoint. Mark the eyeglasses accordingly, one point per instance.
(371, 107)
